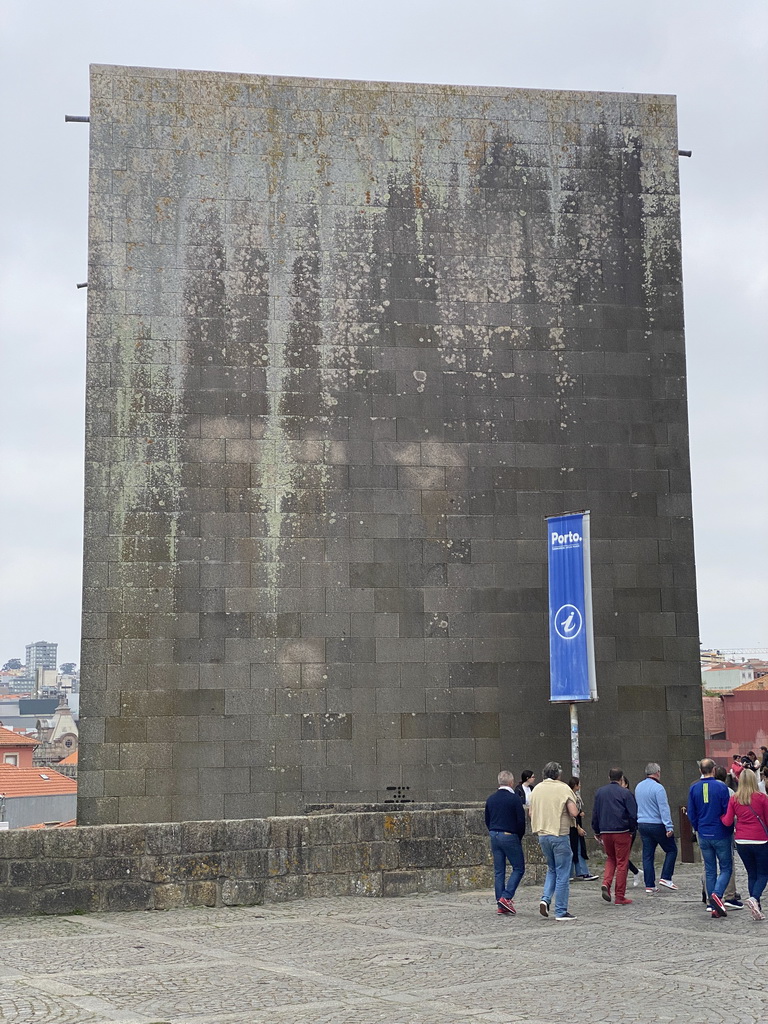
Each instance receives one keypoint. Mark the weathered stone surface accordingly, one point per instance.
(38, 873)
(201, 894)
(347, 852)
(348, 343)
(72, 899)
(241, 893)
(128, 896)
(20, 901)
(169, 897)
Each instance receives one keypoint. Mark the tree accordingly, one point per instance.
(67, 668)
(13, 663)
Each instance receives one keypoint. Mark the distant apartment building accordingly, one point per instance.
(710, 658)
(19, 686)
(726, 676)
(41, 655)
(758, 665)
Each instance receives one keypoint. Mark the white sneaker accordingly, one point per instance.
(667, 884)
(755, 910)
(636, 880)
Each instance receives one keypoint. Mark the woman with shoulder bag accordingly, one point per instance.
(579, 865)
(748, 808)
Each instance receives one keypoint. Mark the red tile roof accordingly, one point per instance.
(70, 758)
(761, 683)
(33, 782)
(58, 824)
(9, 738)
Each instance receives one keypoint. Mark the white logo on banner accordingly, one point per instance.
(568, 621)
(569, 539)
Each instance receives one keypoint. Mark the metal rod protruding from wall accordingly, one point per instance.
(83, 284)
(685, 152)
(77, 117)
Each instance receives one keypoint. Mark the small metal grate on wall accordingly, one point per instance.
(399, 795)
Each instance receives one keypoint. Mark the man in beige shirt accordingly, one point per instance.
(553, 812)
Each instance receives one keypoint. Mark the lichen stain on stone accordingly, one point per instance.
(398, 826)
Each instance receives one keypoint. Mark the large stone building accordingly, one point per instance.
(348, 344)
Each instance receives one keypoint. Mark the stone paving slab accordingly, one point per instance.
(428, 959)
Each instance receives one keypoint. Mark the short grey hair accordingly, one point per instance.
(552, 770)
(506, 778)
(652, 768)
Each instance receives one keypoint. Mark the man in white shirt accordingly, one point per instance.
(553, 812)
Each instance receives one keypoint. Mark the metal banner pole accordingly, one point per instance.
(575, 760)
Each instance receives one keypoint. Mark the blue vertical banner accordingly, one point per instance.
(571, 637)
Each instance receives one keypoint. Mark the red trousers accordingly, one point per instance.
(616, 846)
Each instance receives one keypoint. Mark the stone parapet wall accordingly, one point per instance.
(160, 866)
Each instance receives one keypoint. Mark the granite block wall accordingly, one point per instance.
(348, 344)
(161, 866)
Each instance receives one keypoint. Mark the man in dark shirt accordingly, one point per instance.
(505, 821)
(614, 822)
(707, 803)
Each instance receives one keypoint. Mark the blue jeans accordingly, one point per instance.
(557, 852)
(653, 836)
(714, 852)
(507, 847)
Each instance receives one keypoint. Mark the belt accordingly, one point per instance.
(498, 832)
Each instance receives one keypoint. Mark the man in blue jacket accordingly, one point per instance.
(707, 801)
(614, 822)
(505, 821)
(654, 821)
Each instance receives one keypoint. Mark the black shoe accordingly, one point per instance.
(566, 917)
(605, 892)
(544, 908)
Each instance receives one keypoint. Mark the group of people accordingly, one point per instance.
(721, 819)
(720, 816)
(757, 763)
(554, 810)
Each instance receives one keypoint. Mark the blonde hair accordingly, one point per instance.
(747, 786)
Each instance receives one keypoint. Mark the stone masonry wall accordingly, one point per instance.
(348, 344)
(246, 862)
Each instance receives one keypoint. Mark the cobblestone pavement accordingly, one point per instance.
(435, 959)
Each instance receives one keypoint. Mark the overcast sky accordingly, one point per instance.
(712, 55)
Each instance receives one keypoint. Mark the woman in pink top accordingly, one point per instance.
(749, 809)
